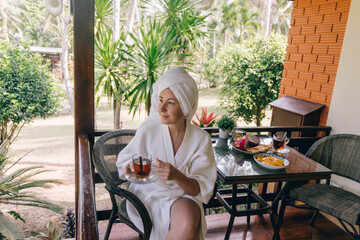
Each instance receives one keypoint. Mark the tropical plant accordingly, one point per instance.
(27, 90)
(110, 69)
(153, 49)
(225, 123)
(240, 19)
(252, 73)
(11, 13)
(205, 120)
(16, 186)
(68, 224)
(49, 235)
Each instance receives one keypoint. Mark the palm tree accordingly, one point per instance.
(15, 189)
(11, 13)
(153, 48)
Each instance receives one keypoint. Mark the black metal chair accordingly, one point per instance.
(340, 153)
(105, 153)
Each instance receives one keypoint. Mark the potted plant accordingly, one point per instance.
(225, 124)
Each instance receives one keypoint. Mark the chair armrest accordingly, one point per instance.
(138, 204)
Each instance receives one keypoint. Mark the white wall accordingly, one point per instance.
(344, 112)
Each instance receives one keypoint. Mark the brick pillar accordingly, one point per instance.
(313, 52)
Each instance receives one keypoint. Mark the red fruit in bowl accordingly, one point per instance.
(253, 140)
(243, 143)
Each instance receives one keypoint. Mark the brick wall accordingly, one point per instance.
(313, 52)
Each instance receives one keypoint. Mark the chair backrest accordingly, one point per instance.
(340, 153)
(105, 152)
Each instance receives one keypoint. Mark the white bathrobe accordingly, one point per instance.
(194, 158)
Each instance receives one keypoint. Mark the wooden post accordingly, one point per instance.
(84, 78)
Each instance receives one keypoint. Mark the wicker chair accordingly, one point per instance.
(105, 153)
(340, 153)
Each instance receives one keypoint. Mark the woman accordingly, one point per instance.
(184, 161)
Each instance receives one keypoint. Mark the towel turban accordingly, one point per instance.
(184, 88)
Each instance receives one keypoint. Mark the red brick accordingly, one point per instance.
(343, 6)
(284, 73)
(331, 69)
(324, 28)
(305, 48)
(334, 50)
(292, 22)
(317, 68)
(318, 97)
(302, 66)
(309, 58)
(295, 31)
(327, 8)
(282, 88)
(315, 19)
(336, 60)
(327, 59)
(287, 57)
(340, 38)
(297, 12)
(290, 91)
(312, 10)
(313, 86)
(292, 49)
(321, 78)
(302, 93)
(344, 17)
(286, 82)
(300, 21)
(332, 18)
(321, 2)
(308, 29)
(306, 76)
(339, 28)
(332, 79)
(289, 40)
(292, 74)
(289, 65)
(320, 49)
(297, 39)
(326, 88)
(302, 3)
(328, 38)
(299, 84)
(295, 57)
(312, 39)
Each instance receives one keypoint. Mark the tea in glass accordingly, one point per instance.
(142, 165)
(279, 141)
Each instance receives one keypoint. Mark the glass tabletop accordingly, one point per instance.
(234, 166)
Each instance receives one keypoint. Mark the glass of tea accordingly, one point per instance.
(142, 165)
(279, 141)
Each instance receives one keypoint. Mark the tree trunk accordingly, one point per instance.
(64, 61)
(116, 19)
(117, 111)
(268, 17)
(258, 116)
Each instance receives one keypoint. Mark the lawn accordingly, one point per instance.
(50, 143)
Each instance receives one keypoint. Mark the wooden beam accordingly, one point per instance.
(83, 77)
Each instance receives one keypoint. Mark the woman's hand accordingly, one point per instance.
(165, 171)
(129, 168)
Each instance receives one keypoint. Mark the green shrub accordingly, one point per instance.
(252, 74)
(27, 89)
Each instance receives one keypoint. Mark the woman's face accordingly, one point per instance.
(169, 108)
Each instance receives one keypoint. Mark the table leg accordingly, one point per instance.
(248, 203)
(233, 212)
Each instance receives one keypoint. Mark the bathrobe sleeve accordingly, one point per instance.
(202, 166)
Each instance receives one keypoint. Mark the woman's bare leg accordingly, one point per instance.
(184, 220)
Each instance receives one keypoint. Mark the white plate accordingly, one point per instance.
(271, 167)
(133, 179)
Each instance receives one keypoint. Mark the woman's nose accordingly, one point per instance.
(163, 107)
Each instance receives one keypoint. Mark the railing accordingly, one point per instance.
(86, 215)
